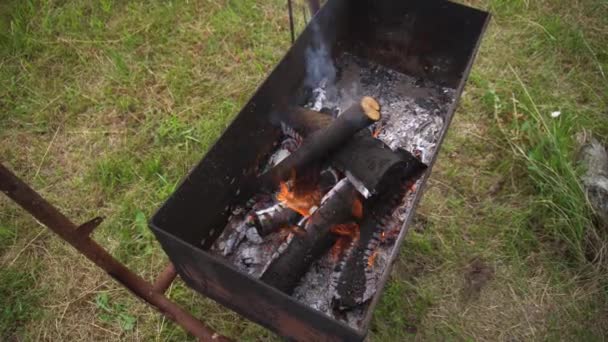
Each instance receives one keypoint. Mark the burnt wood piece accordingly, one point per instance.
(305, 121)
(285, 272)
(368, 162)
(328, 179)
(353, 287)
(272, 219)
(372, 166)
(321, 143)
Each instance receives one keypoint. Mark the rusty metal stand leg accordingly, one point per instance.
(79, 238)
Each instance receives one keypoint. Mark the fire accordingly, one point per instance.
(300, 202)
(346, 232)
(376, 132)
(372, 259)
(346, 229)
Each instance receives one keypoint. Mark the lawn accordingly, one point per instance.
(105, 105)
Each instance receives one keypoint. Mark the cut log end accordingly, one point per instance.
(371, 108)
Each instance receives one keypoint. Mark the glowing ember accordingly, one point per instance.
(410, 186)
(300, 202)
(339, 247)
(377, 131)
(372, 259)
(347, 233)
(347, 229)
(358, 208)
(390, 234)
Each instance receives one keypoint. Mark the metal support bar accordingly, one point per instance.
(87, 228)
(165, 278)
(53, 219)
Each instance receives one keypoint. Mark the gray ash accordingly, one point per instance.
(413, 117)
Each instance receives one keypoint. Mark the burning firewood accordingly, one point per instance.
(272, 219)
(326, 140)
(353, 282)
(285, 271)
(305, 121)
(368, 162)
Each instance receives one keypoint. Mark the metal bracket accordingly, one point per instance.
(87, 228)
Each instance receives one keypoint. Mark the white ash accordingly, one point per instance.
(288, 145)
(243, 246)
(277, 252)
(337, 188)
(251, 256)
(319, 96)
(313, 288)
(253, 236)
(358, 184)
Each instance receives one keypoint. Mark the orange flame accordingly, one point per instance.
(346, 229)
(339, 247)
(347, 232)
(302, 203)
(376, 131)
(372, 259)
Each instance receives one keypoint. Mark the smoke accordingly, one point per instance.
(319, 65)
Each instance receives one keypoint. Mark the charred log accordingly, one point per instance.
(372, 166)
(305, 121)
(324, 141)
(368, 162)
(354, 284)
(272, 219)
(328, 179)
(314, 241)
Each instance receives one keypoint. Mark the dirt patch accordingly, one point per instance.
(476, 276)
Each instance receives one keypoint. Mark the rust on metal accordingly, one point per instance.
(87, 228)
(52, 218)
(164, 279)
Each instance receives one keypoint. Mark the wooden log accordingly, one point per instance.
(321, 143)
(272, 219)
(354, 281)
(305, 121)
(372, 166)
(368, 162)
(314, 241)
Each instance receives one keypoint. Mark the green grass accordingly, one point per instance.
(105, 105)
(20, 295)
